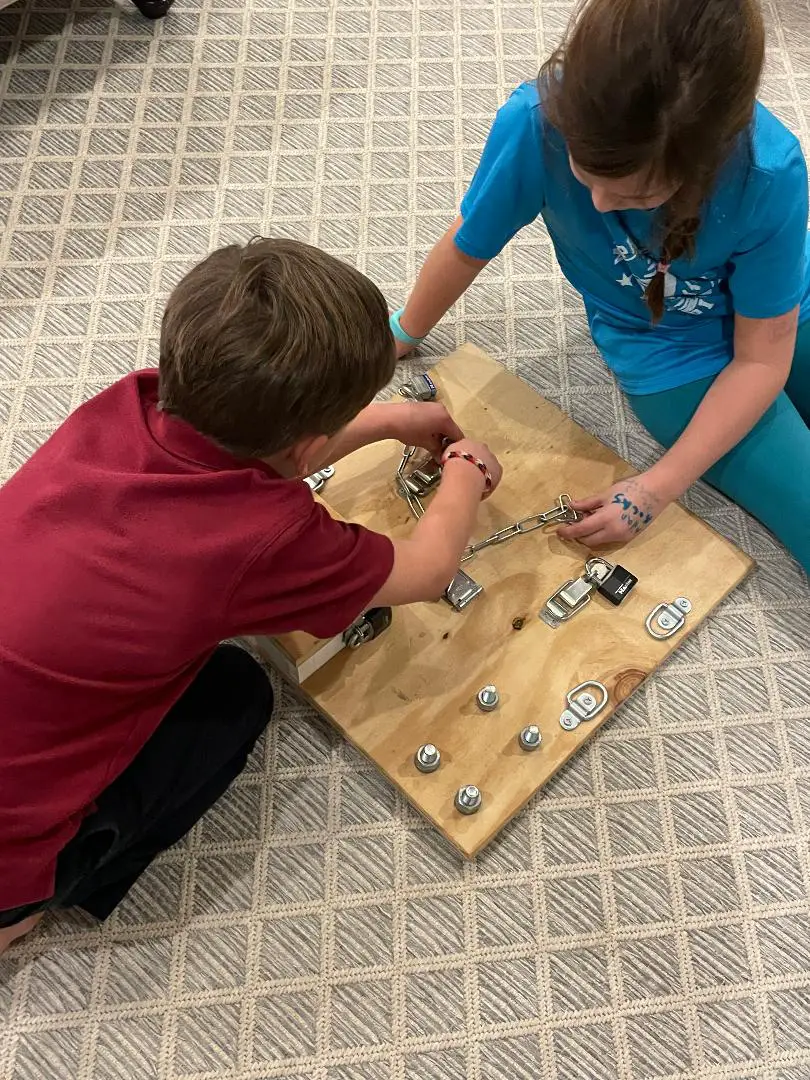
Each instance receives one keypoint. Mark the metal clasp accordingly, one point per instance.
(665, 620)
(424, 478)
(461, 591)
(420, 388)
(318, 479)
(562, 605)
(583, 704)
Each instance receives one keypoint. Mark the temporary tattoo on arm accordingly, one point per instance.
(632, 514)
(638, 505)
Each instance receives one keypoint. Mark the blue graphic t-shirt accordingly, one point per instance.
(749, 258)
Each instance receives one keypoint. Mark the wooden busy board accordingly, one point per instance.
(418, 682)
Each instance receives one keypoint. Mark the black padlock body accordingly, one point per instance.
(379, 619)
(617, 585)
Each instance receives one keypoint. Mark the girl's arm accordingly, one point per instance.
(446, 274)
(763, 354)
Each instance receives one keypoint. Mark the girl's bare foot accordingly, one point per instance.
(9, 934)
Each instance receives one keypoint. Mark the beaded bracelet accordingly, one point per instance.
(477, 462)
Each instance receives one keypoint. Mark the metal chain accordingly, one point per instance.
(415, 504)
(562, 513)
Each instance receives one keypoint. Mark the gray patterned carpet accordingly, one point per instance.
(649, 915)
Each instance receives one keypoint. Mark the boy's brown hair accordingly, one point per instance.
(269, 343)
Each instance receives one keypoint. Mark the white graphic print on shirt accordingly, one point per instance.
(689, 296)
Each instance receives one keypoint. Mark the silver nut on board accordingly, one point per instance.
(468, 799)
(488, 698)
(427, 758)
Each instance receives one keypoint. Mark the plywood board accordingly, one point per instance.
(418, 682)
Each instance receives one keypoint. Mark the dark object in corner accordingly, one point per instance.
(153, 9)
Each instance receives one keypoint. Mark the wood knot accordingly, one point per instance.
(518, 623)
(627, 682)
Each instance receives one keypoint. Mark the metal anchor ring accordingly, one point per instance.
(665, 620)
(582, 704)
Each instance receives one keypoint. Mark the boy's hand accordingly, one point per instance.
(483, 453)
(425, 424)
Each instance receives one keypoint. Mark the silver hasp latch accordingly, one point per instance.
(461, 591)
(424, 478)
(563, 604)
(667, 619)
(584, 702)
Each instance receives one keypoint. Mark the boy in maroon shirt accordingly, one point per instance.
(167, 515)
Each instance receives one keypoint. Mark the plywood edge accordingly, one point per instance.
(345, 733)
(589, 729)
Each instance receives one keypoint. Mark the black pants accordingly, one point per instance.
(200, 747)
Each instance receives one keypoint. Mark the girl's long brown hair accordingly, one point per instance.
(662, 88)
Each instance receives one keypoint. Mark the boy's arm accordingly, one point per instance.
(417, 423)
(447, 273)
(425, 562)
(328, 572)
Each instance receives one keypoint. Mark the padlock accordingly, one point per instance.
(420, 388)
(612, 582)
(367, 627)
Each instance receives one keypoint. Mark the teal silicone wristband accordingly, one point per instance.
(399, 333)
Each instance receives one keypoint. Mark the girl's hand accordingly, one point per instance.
(425, 424)
(618, 514)
(403, 348)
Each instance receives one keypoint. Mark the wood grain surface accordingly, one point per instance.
(418, 682)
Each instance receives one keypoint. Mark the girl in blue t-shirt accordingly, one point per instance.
(677, 206)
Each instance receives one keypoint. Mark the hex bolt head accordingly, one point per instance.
(468, 799)
(488, 698)
(427, 758)
(530, 738)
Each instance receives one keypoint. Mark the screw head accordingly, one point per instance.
(530, 738)
(427, 758)
(468, 799)
(488, 698)
(568, 721)
(328, 471)
(683, 603)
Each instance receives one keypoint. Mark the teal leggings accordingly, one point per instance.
(767, 472)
